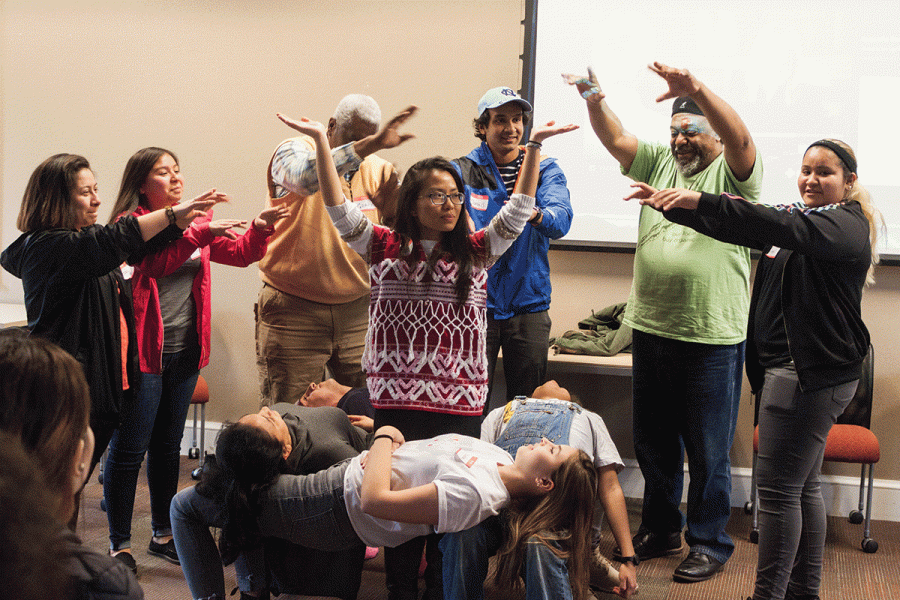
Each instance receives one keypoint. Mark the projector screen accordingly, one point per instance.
(794, 71)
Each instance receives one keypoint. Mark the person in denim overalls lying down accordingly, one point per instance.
(550, 414)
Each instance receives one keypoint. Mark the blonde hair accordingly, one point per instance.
(860, 194)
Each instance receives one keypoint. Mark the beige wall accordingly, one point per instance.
(205, 79)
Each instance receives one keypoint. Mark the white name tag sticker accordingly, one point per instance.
(467, 458)
(773, 252)
(478, 201)
(364, 203)
(127, 271)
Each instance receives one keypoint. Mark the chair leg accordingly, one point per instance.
(856, 515)
(202, 435)
(869, 545)
(193, 451)
(754, 502)
(201, 451)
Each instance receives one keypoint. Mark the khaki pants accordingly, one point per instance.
(297, 338)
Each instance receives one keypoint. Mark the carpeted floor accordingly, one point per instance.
(849, 572)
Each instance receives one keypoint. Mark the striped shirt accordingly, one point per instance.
(510, 172)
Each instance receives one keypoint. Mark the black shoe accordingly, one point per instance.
(696, 567)
(649, 545)
(128, 560)
(166, 551)
(789, 595)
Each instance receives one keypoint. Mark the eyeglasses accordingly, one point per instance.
(439, 198)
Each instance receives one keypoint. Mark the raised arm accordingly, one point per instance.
(414, 505)
(529, 173)
(326, 172)
(740, 151)
(294, 167)
(619, 142)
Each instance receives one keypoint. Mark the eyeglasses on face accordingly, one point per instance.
(439, 198)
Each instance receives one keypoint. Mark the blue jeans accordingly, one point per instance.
(793, 429)
(466, 553)
(304, 509)
(686, 398)
(154, 425)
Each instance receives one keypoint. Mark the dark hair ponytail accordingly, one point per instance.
(249, 461)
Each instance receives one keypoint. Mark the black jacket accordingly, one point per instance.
(822, 256)
(98, 576)
(73, 293)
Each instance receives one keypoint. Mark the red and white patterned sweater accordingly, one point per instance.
(425, 350)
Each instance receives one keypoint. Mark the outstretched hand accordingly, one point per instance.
(222, 227)
(269, 216)
(663, 200)
(186, 212)
(588, 87)
(541, 132)
(389, 136)
(680, 81)
(304, 125)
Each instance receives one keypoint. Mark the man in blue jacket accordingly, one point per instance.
(519, 283)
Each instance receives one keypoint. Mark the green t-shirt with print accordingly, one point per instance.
(688, 286)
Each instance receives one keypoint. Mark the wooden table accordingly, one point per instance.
(619, 364)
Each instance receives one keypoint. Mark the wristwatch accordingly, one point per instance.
(633, 559)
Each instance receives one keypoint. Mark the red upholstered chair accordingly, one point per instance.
(199, 400)
(849, 441)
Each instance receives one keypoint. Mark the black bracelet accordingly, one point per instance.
(170, 214)
(634, 560)
(533, 144)
(382, 435)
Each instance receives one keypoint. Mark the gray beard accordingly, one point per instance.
(691, 167)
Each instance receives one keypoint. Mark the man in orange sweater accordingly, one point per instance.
(312, 310)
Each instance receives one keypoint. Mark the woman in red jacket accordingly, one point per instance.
(171, 291)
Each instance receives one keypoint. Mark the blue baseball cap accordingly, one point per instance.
(498, 96)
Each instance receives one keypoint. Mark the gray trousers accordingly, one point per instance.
(793, 429)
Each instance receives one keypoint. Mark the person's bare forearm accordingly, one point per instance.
(729, 126)
(329, 181)
(613, 500)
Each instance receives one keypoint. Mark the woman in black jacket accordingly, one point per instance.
(75, 293)
(805, 341)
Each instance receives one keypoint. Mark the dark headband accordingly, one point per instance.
(842, 154)
(684, 104)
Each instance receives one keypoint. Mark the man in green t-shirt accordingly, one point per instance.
(688, 308)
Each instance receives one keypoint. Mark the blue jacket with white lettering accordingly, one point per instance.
(519, 282)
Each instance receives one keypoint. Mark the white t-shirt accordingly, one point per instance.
(463, 468)
(588, 432)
